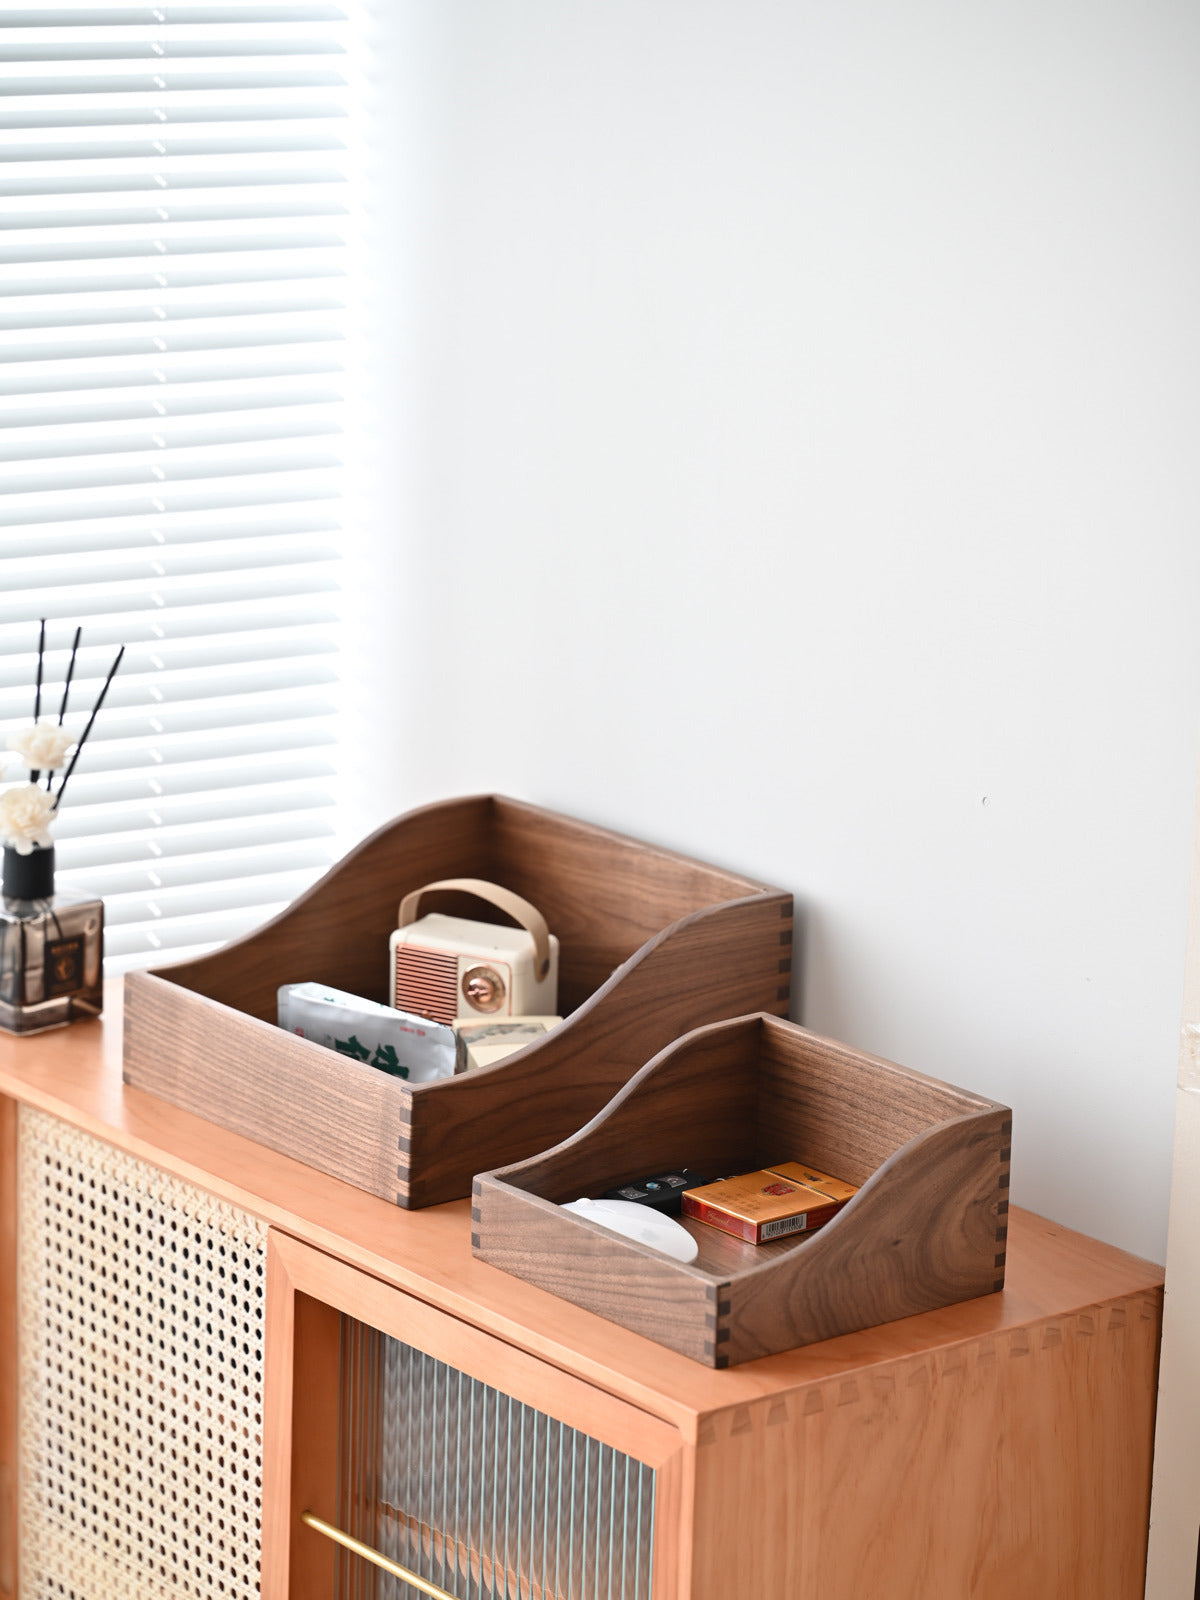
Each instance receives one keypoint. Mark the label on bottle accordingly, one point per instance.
(64, 966)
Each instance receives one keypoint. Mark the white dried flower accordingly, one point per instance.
(44, 746)
(26, 813)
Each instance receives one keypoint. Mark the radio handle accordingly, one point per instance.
(529, 917)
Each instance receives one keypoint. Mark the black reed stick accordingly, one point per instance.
(112, 672)
(37, 693)
(35, 774)
(62, 710)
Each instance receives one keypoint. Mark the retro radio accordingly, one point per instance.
(450, 967)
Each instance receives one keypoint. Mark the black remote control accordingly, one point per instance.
(662, 1190)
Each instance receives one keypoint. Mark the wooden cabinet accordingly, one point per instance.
(993, 1449)
(458, 1457)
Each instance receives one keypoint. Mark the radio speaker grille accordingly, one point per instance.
(141, 1319)
(427, 982)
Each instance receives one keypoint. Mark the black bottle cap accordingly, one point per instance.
(28, 877)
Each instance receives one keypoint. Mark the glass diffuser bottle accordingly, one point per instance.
(51, 946)
(51, 943)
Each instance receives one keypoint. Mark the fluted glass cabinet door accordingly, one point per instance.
(427, 1458)
(481, 1495)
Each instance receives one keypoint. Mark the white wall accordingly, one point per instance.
(792, 447)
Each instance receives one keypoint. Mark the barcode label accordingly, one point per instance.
(772, 1230)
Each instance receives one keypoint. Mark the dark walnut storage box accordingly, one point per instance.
(652, 944)
(927, 1227)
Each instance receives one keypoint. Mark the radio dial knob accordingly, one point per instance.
(483, 988)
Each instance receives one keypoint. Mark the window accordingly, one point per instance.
(176, 260)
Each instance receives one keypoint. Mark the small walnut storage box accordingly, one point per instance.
(927, 1228)
(652, 944)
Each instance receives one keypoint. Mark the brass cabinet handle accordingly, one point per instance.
(366, 1552)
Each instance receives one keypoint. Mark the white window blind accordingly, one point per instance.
(175, 265)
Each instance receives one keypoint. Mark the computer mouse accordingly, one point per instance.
(641, 1223)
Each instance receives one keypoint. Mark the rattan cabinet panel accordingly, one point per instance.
(141, 1367)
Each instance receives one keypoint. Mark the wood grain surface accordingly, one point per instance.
(852, 1111)
(281, 1090)
(337, 932)
(300, 1437)
(923, 1232)
(1014, 1465)
(926, 1229)
(278, 1373)
(652, 944)
(8, 1346)
(606, 895)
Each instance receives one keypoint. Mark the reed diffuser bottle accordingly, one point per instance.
(51, 940)
(51, 946)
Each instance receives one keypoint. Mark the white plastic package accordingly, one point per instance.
(397, 1042)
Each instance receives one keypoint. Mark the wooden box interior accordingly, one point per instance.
(603, 895)
(651, 943)
(927, 1227)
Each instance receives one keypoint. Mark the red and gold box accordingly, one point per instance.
(799, 1172)
(758, 1206)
